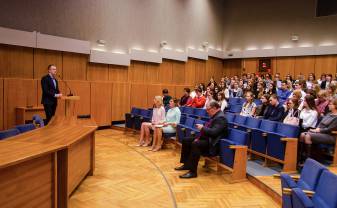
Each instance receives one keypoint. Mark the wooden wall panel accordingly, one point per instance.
(74, 66)
(325, 64)
(101, 102)
(138, 95)
(97, 72)
(152, 72)
(232, 67)
(200, 71)
(214, 68)
(82, 89)
(43, 58)
(152, 91)
(165, 72)
(1, 104)
(285, 65)
(137, 72)
(18, 92)
(16, 62)
(190, 72)
(304, 65)
(60, 110)
(118, 73)
(178, 72)
(120, 101)
(250, 65)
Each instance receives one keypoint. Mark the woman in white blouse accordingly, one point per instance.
(222, 101)
(249, 107)
(309, 114)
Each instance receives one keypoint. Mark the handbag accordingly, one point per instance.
(292, 120)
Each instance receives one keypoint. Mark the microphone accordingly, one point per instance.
(70, 93)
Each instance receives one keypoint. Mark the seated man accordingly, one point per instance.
(198, 101)
(206, 144)
(283, 93)
(276, 111)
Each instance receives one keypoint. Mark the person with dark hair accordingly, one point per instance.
(50, 92)
(263, 108)
(186, 97)
(321, 134)
(205, 144)
(166, 97)
(277, 80)
(271, 88)
(292, 113)
(322, 79)
(310, 81)
(199, 100)
(259, 90)
(222, 101)
(309, 114)
(283, 93)
(276, 111)
(172, 118)
(325, 84)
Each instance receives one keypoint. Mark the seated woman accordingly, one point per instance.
(222, 101)
(249, 107)
(292, 112)
(169, 126)
(158, 117)
(322, 102)
(309, 114)
(186, 97)
(321, 134)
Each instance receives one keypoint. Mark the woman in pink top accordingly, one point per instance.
(158, 117)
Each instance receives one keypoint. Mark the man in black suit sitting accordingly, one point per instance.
(50, 92)
(206, 144)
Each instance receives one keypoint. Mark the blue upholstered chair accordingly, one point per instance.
(130, 117)
(258, 138)
(25, 127)
(8, 133)
(38, 120)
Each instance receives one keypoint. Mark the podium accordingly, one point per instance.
(70, 105)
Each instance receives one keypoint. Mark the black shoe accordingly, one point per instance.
(183, 167)
(189, 175)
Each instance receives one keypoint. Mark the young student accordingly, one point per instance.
(249, 107)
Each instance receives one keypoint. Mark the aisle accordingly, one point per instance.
(128, 176)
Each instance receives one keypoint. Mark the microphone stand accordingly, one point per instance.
(70, 93)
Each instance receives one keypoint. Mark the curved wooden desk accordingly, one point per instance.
(41, 168)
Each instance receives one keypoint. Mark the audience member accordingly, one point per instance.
(222, 101)
(198, 101)
(249, 107)
(263, 108)
(166, 97)
(308, 115)
(186, 97)
(276, 111)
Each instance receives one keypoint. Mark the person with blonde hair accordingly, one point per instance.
(249, 107)
(158, 117)
(322, 102)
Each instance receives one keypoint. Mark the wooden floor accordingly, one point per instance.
(128, 176)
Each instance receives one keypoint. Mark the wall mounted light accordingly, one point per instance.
(101, 42)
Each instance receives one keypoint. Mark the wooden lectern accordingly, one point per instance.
(70, 105)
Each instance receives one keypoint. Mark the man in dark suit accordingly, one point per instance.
(276, 110)
(50, 92)
(206, 144)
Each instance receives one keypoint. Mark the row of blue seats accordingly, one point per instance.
(315, 181)
(134, 119)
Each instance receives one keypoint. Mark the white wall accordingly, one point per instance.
(123, 24)
(270, 23)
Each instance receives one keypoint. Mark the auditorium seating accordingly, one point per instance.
(130, 117)
(325, 195)
(145, 115)
(25, 127)
(181, 128)
(38, 120)
(308, 180)
(8, 133)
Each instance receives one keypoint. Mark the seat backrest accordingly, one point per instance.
(267, 125)
(198, 121)
(135, 111)
(182, 109)
(188, 110)
(240, 119)
(182, 119)
(241, 101)
(240, 137)
(38, 120)
(25, 127)
(8, 133)
(233, 101)
(258, 102)
(252, 122)
(143, 112)
(326, 192)
(230, 117)
(235, 108)
(189, 122)
(288, 130)
(310, 174)
(199, 112)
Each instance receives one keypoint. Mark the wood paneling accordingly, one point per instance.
(17, 92)
(97, 72)
(200, 71)
(152, 91)
(165, 72)
(120, 101)
(138, 95)
(29, 184)
(190, 72)
(232, 67)
(285, 65)
(250, 65)
(137, 72)
(118, 73)
(1, 104)
(325, 64)
(178, 72)
(214, 68)
(82, 89)
(16, 62)
(74, 66)
(101, 103)
(304, 65)
(152, 72)
(43, 58)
